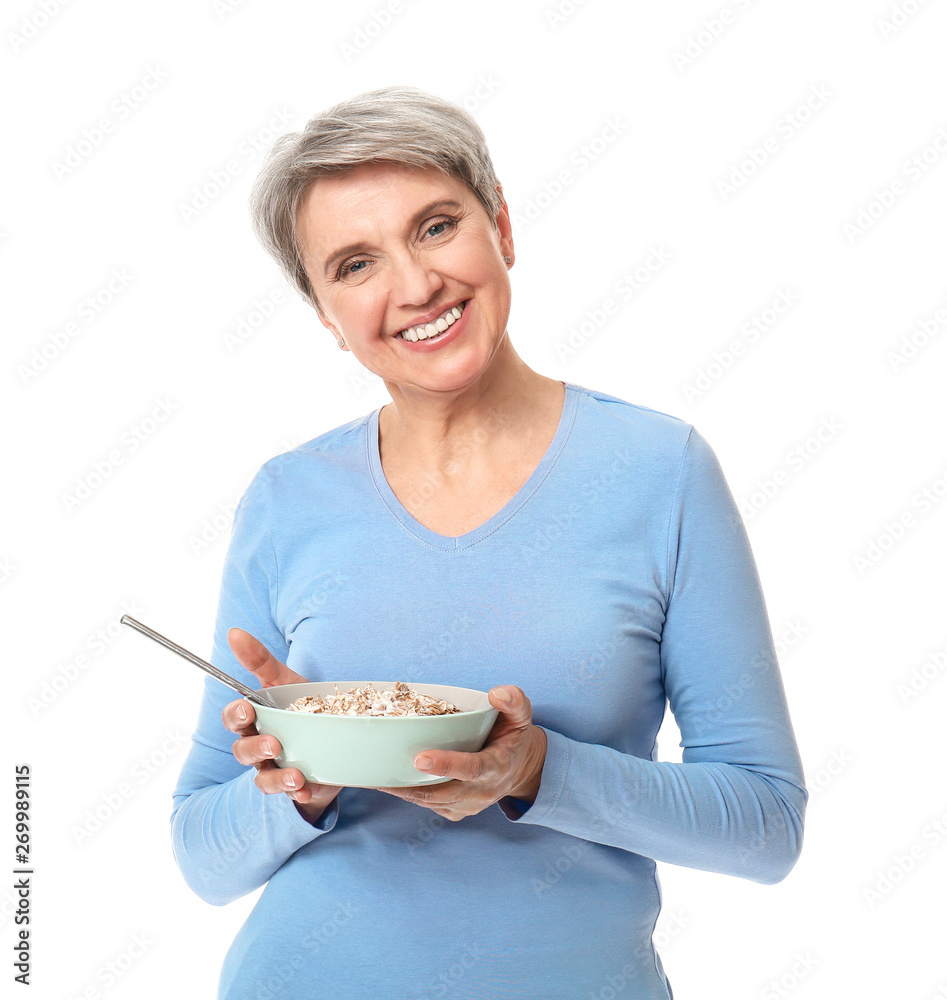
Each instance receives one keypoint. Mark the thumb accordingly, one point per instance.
(513, 705)
(252, 654)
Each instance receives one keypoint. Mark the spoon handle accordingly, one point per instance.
(209, 668)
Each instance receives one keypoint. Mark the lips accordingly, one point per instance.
(435, 327)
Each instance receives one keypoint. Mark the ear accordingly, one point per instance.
(504, 226)
(328, 324)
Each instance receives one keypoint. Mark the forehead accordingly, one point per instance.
(365, 201)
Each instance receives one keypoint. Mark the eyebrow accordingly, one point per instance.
(339, 255)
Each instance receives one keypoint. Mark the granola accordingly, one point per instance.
(367, 701)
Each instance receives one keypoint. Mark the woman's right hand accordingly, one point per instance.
(251, 748)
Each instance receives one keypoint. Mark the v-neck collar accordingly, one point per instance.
(425, 534)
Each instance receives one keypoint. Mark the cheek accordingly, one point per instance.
(360, 310)
(473, 257)
(482, 272)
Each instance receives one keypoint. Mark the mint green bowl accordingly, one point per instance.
(371, 751)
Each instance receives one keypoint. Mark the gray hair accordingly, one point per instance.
(393, 125)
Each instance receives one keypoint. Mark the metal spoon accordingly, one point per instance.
(231, 682)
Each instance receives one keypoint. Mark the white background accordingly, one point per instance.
(133, 241)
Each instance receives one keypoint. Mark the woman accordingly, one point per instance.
(578, 555)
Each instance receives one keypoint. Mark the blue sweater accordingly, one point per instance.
(618, 579)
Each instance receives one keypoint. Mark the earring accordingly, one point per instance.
(342, 342)
(509, 260)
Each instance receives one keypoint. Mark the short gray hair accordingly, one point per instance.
(391, 124)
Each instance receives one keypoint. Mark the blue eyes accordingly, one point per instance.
(359, 264)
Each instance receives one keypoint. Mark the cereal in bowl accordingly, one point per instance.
(367, 701)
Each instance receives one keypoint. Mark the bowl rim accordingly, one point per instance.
(379, 718)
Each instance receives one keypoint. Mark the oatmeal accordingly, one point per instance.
(367, 701)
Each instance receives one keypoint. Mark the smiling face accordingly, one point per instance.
(395, 254)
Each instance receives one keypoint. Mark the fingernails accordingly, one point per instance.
(289, 781)
(267, 748)
(423, 763)
(503, 694)
(241, 712)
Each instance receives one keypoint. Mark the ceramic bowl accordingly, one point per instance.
(371, 751)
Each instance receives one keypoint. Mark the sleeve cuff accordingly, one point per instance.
(325, 822)
(551, 783)
(290, 829)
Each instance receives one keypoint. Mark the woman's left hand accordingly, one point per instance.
(510, 763)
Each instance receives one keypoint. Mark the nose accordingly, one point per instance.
(413, 282)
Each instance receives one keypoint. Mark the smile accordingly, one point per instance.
(432, 330)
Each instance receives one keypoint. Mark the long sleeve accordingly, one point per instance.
(736, 803)
(228, 837)
(619, 579)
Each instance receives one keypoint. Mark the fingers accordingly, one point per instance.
(252, 654)
(515, 718)
(239, 717)
(254, 750)
(260, 752)
(271, 779)
(477, 780)
(455, 764)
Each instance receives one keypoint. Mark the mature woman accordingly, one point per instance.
(491, 528)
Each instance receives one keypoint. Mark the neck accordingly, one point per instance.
(434, 425)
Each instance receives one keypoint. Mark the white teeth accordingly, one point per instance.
(432, 329)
